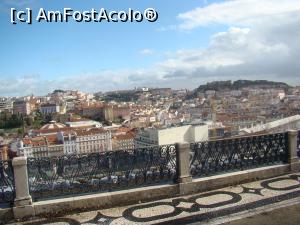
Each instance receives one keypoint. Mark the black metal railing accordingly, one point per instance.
(96, 172)
(7, 188)
(212, 157)
(298, 144)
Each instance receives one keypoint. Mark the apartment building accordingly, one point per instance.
(187, 133)
(33, 147)
(21, 107)
(69, 142)
(123, 141)
(49, 108)
(93, 140)
(55, 140)
(6, 105)
(92, 111)
(112, 113)
(84, 141)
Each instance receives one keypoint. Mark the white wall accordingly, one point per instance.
(201, 133)
(187, 133)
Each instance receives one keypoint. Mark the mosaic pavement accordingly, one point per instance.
(193, 208)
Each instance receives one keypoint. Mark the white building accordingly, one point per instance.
(49, 108)
(69, 142)
(86, 141)
(21, 107)
(5, 104)
(55, 139)
(123, 141)
(33, 147)
(188, 133)
(93, 140)
(84, 123)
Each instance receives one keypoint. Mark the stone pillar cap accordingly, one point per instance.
(19, 161)
(184, 143)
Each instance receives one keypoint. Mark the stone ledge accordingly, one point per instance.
(224, 180)
(145, 194)
(22, 212)
(6, 214)
(106, 200)
(295, 166)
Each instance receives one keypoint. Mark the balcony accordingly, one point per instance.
(38, 186)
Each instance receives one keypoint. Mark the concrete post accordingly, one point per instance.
(183, 167)
(23, 203)
(293, 158)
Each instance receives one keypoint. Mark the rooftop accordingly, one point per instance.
(53, 125)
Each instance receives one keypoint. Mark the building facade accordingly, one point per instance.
(93, 140)
(6, 105)
(123, 141)
(113, 113)
(49, 108)
(21, 108)
(65, 141)
(187, 133)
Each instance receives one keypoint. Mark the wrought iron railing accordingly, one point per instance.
(212, 157)
(105, 171)
(298, 144)
(7, 189)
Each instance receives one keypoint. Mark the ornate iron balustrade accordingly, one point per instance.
(7, 189)
(213, 157)
(105, 171)
(298, 144)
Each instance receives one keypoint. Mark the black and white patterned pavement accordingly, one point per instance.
(193, 208)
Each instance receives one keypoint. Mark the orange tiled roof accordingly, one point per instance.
(36, 141)
(52, 139)
(125, 136)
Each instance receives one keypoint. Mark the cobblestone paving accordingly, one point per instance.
(193, 208)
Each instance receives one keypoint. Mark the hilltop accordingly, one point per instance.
(236, 85)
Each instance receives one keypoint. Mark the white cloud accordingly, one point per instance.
(236, 12)
(266, 46)
(147, 51)
(269, 51)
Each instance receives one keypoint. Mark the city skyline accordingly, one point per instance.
(191, 43)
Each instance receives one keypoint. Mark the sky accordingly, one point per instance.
(191, 43)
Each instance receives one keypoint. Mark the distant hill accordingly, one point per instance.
(58, 91)
(121, 96)
(236, 85)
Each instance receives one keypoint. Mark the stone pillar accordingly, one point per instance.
(183, 167)
(23, 203)
(293, 158)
